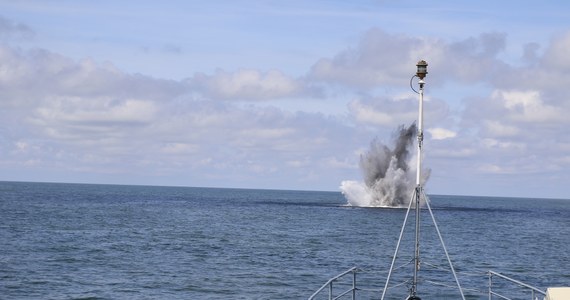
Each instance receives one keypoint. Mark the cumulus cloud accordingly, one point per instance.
(92, 119)
(441, 133)
(27, 76)
(379, 58)
(383, 111)
(89, 117)
(389, 112)
(519, 109)
(247, 84)
(496, 128)
(382, 58)
(528, 106)
(518, 127)
(225, 127)
(556, 55)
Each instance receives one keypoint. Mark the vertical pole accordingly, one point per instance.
(420, 133)
(418, 188)
(354, 285)
(417, 245)
(490, 286)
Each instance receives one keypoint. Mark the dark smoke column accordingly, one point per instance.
(386, 171)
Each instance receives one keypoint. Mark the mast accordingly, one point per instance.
(421, 73)
(415, 199)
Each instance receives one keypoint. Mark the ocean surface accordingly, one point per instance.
(75, 241)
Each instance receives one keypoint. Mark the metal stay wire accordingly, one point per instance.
(398, 244)
(443, 245)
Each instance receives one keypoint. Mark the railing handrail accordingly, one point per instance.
(520, 283)
(330, 281)
(355, 270)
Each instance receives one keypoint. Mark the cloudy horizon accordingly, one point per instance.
(276, 95)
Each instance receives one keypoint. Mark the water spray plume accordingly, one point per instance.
(388, 178)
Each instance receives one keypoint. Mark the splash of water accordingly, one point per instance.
(388, 178)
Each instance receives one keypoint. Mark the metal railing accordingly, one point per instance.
(344, 286)
(329, 284)
(533, 290)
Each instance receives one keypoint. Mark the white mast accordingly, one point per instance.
(415, 198)
(421, 73)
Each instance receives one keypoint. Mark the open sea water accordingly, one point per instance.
(76, 241)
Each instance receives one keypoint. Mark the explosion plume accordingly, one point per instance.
(388, 178)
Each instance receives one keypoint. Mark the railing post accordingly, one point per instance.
(490, 285)
(330, 291)
(354, 284)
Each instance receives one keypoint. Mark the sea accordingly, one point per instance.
(86, 241)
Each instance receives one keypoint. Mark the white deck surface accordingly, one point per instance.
(558, 293)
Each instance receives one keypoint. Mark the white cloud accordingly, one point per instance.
(496, 128)
(441, 133)
(366, 114)
(390, 112)
(556, 55)
(226, 127)
(527, 106)
(267, 133)
(336, 163)
(494, 143)
(247, 85)
(379, 58)
(100, 110)
(456, 152)
(494, 169)
(389, 59)
(383, 111)
(178, 148)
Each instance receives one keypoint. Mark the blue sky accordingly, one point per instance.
(283, 94)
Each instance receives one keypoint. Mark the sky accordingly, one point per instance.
(284, 94)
